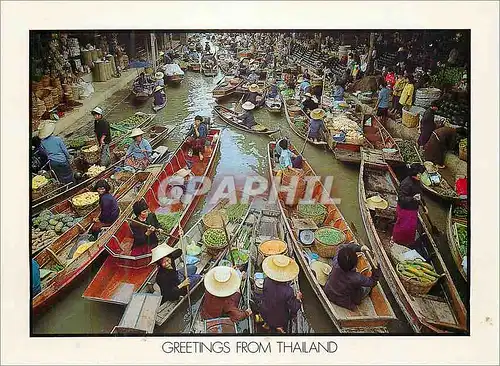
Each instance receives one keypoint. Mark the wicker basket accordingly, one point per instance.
(213, 251)
(84, 210)
(294, 111)
(119, 153)
(462, 153)
(213, 220)
(90, 157)
(327, 250)
(409, 119)
(415, 287)
(318, 219)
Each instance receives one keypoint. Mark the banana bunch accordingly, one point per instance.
(38, 181)
(418, 270)
(95, 170)
(91, 149)
(85, 199)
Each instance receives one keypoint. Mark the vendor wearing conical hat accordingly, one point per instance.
(309, 104)
(279, 303)
(159, 95)
(139, 152)
(103, 134)
(56, 152)
(172, 282)
(159, 79)
(222, 296)
(197, 136)
(345, 287)
(247, 118)
(253, 94)
(316, 124)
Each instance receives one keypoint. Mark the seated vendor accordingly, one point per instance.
(222, 295)
(345, 286)
(159, 79)
(197, 136)
(273, 89)
(172, 282)
(253, 93)
(139, 152)
(145, 234)
(159, 95)
(109, 208)
(287, 159)
(309, 104)
(247, 119)
(278, 303)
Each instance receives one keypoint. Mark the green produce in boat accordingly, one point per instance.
(329, 236)
(169, 220)
(215, 238)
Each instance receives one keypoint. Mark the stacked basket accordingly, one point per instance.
(409, 119)
(91, 154)
(315, 212)
(425, 96)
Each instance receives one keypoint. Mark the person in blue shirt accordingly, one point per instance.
(383, 100)
(338, 92)
(159, 96)
(273, 89)
(316, 124)
(304, 85)
(197, 136)
(287, 159)
(109, 208)
(36, 286)
(57, 153)
(139, 152)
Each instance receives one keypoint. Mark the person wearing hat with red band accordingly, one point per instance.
(103, 135)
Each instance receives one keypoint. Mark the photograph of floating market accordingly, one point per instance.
(249, 182)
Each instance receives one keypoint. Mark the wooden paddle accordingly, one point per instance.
(228, 241)
(184, 261)
(368, 254)
(145, 225)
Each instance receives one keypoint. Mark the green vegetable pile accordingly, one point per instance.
(315, 210)
(408, 151)
(236, 212)
(463, 239)
(460, 212)
(329, 236)
(125, 142)
(240, 256)
(131, 121)
(56, 268)
(288, 93)
(169, 220)
(448, 76)
(214, 238)
(78, 142)
(58, 222)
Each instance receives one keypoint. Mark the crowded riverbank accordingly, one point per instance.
(235, 143)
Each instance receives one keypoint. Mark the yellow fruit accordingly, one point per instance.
(38, 181)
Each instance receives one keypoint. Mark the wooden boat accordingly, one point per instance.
(157, 108)
(212, 71)
(137, 317)
(451, 232)
(154, 134)
(206, 260)
(226, 86)
(182, 64)
(441, 311)
(127, 270)
(142, 92)
(376, 137)
(273, 105)
(375, 313)
(291, 114)
(61, 269)
(230, 117)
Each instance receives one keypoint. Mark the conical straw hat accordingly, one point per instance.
(280, 268)
(253, 88)
(46, 130)
(136, 132)
(322, 270)
(222, 281)
(318, 113)
(376, 202)
(248, 106)
(163, 250)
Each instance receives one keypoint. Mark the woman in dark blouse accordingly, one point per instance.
(144, 235)
(109, 208)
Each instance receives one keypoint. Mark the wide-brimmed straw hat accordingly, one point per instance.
(46, 130)
(248, 106)
(253, 88)
(159, 75)
(308, 94)
(222, 281)
(280, 268)
(96, 110)
(376, 202)
(164, 250)
(136, 132)
(322, 270)
(158, 88)
(318, 113)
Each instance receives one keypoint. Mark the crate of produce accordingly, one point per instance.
(327, 240)
(410, 119)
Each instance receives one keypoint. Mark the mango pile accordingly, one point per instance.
(91, 149)
(85, 199)
(418, 270)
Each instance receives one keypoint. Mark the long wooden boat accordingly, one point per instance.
(230, 117)
(206, 260)
(61, 269)
(441, 310)
(142, 92)
(157, 108)
(154, 134)
(451, 232)
(226, 86)
(208, 71)
(375, 313)
(376, 137)
(290, 115)
(127, 270)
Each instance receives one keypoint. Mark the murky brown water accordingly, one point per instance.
(240, 154)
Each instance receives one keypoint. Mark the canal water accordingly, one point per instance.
(240, 154)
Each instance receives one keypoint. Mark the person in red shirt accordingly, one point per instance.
(390, 78)
(222, 296)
